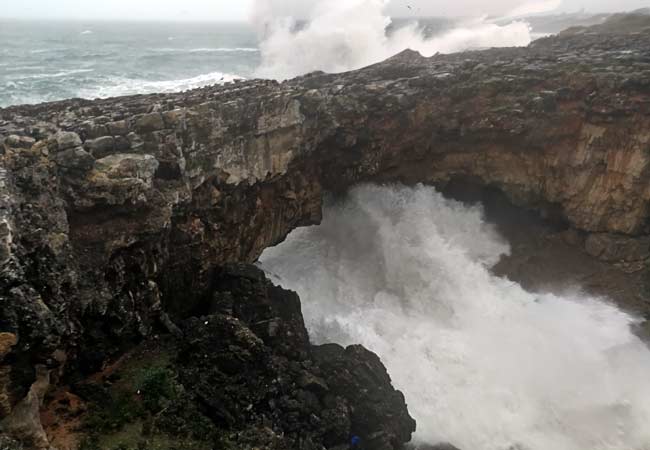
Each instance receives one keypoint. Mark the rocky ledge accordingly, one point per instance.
(118, 216)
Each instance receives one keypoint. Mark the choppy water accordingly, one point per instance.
(46, 61)
(55, 60)
(483, 363)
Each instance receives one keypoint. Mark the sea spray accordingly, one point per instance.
(483, 363)
(340, 35)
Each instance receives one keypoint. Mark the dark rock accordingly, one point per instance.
(101, 146)
(67, 139)
(94, 259)
(76, 159)
(149, 122)
(264, 384)
(379, 416)
(615, 248)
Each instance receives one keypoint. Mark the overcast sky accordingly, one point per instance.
(241, 9)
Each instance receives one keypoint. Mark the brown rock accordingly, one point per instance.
(7, 341)
(149, 122)
(615, 248)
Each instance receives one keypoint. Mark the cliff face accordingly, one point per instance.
(114, 213)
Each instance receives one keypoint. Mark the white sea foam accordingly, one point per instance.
(128, 86)
(483, 363)
(341, 35)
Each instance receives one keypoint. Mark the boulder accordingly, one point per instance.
(75, 159)
(67, 139)
(101, 146)
(149, 122)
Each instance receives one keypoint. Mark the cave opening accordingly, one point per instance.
(497, 326)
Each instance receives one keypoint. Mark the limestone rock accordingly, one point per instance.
(123, 165)
(184, 183)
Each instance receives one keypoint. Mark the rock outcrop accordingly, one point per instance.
(115, 213)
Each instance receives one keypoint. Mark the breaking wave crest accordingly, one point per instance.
(340, 35)
(128, 86)
(483, 363)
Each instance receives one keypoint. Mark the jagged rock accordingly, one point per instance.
(94, 259)
(379, 416)
(248, 378)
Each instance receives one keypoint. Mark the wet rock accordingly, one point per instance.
(379, 415)
(274, 380)
(96, 259)
(616, 248)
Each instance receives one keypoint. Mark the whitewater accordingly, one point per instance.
(58, 60)
(483, 363)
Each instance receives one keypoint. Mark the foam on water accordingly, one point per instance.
(127, 86)
(342, 35)
(483, 363)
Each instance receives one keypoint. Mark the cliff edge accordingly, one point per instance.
(117, 215)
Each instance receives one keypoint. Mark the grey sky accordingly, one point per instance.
(241, 9)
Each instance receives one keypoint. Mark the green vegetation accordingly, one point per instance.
(146, 407)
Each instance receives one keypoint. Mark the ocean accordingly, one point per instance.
(43, 61)
(47, 61)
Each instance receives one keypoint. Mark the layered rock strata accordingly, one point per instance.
(114, 213)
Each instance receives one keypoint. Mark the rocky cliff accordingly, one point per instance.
(115, 214)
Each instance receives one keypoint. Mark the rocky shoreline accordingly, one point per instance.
(121, 219)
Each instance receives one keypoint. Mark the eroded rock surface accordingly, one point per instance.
(241, 376)
(114, 213)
